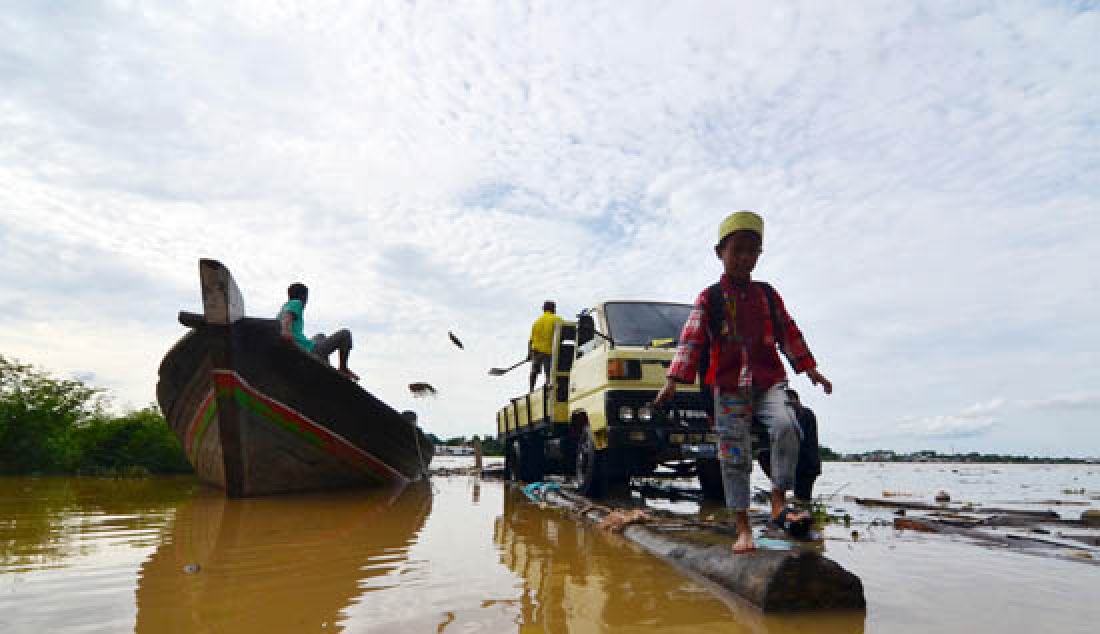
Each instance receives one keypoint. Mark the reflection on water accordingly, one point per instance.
(276, 563)
(463, 555)
(577, 578)
(53, 522)
(570, 577)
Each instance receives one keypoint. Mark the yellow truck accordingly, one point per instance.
(594, 418)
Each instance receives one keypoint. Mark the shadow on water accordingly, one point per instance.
(285, 563)
(576, 578)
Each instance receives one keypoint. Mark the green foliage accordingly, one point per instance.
(136, 443)
(38, 414)
(491, 447)
(51, 425)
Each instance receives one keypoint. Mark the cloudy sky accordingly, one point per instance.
(929, 174)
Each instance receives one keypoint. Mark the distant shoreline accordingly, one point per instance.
(1083, 461)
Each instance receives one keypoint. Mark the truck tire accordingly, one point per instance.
(512, 461)
(710, 478)
(527, 460)
(591, 467)
(533, 460)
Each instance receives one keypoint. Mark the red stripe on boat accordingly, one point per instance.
(335, 444)
(196, 422)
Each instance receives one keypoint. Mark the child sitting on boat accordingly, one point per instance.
(292, 327)
(746, 372)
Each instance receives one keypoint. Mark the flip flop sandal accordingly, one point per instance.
(794, 528)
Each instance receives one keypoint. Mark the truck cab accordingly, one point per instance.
(595, 420)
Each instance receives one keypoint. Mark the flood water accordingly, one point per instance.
(470, 555)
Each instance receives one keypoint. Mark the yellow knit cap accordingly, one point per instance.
(741, 221)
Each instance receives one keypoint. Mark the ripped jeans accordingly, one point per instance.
(733, 414)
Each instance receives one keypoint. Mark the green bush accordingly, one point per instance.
(137, 442)
(38, 414)
(50, 425)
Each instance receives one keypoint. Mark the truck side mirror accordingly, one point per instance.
(586, 329)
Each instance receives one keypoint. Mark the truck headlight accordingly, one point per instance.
(645, 413)
(626, 413)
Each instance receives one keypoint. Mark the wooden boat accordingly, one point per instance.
(256, 415)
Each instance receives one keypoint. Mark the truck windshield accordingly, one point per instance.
(645, 324)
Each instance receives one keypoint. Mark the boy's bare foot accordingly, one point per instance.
(744, 543)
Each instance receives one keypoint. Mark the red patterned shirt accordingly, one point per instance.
(745, 354)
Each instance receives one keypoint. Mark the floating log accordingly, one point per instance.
(772, 580)
(1069, 546)
(921, 506)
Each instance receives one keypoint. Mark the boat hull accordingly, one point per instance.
(257, 416)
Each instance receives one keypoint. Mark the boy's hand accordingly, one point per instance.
(819, 378)
(666, 392)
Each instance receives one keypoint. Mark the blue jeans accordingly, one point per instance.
(733, 414)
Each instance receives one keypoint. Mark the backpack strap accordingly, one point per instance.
(715, 299)
(769, 293)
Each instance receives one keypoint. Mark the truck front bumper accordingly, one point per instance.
(681, 430)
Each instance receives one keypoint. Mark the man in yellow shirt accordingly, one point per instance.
(541, 344)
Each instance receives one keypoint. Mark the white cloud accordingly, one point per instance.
(976, 420)
(947, 426)
(1084, 402)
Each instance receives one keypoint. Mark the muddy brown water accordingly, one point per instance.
(469, 555)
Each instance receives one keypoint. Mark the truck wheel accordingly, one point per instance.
(710, 478)
(591, 467)
(513, 461)
(532, 453)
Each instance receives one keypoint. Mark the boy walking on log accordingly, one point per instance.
(746, 372)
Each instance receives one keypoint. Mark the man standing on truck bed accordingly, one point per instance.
(541, 344)
(740, 322)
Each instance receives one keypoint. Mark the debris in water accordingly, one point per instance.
(616, 521)
(421, 390)
(455, 340)
(902, 523)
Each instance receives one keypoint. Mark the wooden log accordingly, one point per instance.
(1030, 544)
(921, 506)
(772, 580)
